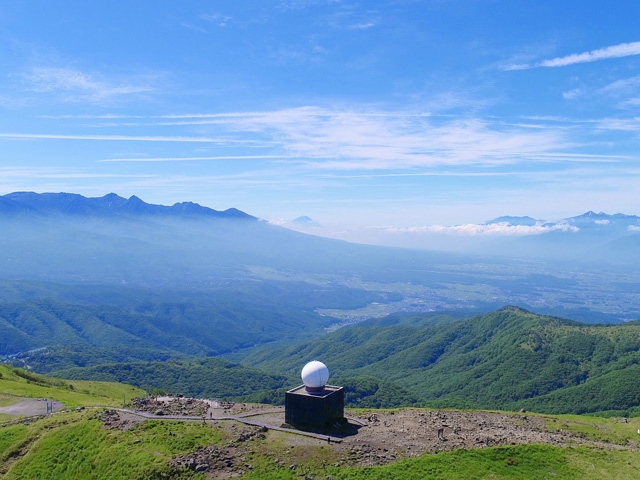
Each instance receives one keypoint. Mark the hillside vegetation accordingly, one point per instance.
(218, 378)
(175, 322)
(202, 378)
(509, 359)
(16, 383)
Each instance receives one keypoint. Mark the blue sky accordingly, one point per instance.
(378, 119)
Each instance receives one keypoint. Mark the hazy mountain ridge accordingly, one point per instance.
(515, 221)
(592, 218)
(592, 237)
(589, 220)
(110, 205)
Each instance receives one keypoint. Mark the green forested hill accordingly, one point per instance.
(219, 378)
(203, 378)
(194, 323)
(508, 359)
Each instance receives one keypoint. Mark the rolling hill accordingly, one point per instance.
(508, 359)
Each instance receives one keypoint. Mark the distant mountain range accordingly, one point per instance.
(111, 205)
(587, 221)
(590, 236)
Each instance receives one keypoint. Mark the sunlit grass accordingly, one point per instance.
(71, 393)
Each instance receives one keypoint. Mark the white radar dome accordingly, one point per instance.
(315, 374)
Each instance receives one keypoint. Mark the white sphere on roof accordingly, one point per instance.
(315, 374)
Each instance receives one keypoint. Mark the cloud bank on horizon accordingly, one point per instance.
(413, 115)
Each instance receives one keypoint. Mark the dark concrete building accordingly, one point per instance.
(321, 409)
(314, 404)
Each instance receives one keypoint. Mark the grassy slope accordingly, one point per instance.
(73, 445)
(71, 393)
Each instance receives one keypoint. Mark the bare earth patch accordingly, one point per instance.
(388, 436)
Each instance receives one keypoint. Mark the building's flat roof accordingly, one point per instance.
(328, 390)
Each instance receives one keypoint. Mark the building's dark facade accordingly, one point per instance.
(318, 409)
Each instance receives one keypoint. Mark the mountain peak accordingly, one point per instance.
(304, 221)
(592, 219)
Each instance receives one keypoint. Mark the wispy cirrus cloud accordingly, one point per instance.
(620, 124)
(362, 25)
(373, 139)
(75, 85)
(615, 51)
(572, 94)
(354, 139)
(216, 19)
(623, 85)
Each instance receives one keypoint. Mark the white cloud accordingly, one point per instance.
(364, 139)
(575, 93)
(621, 124)
(75, 85)
(516, 66)
(375, 140)
(362, 26)
(216, 18)
(496, 229)
(602, 222)
(615, 51)
(633, 228)
(623, 85)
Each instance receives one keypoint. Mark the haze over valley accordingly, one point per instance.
(245, 281)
